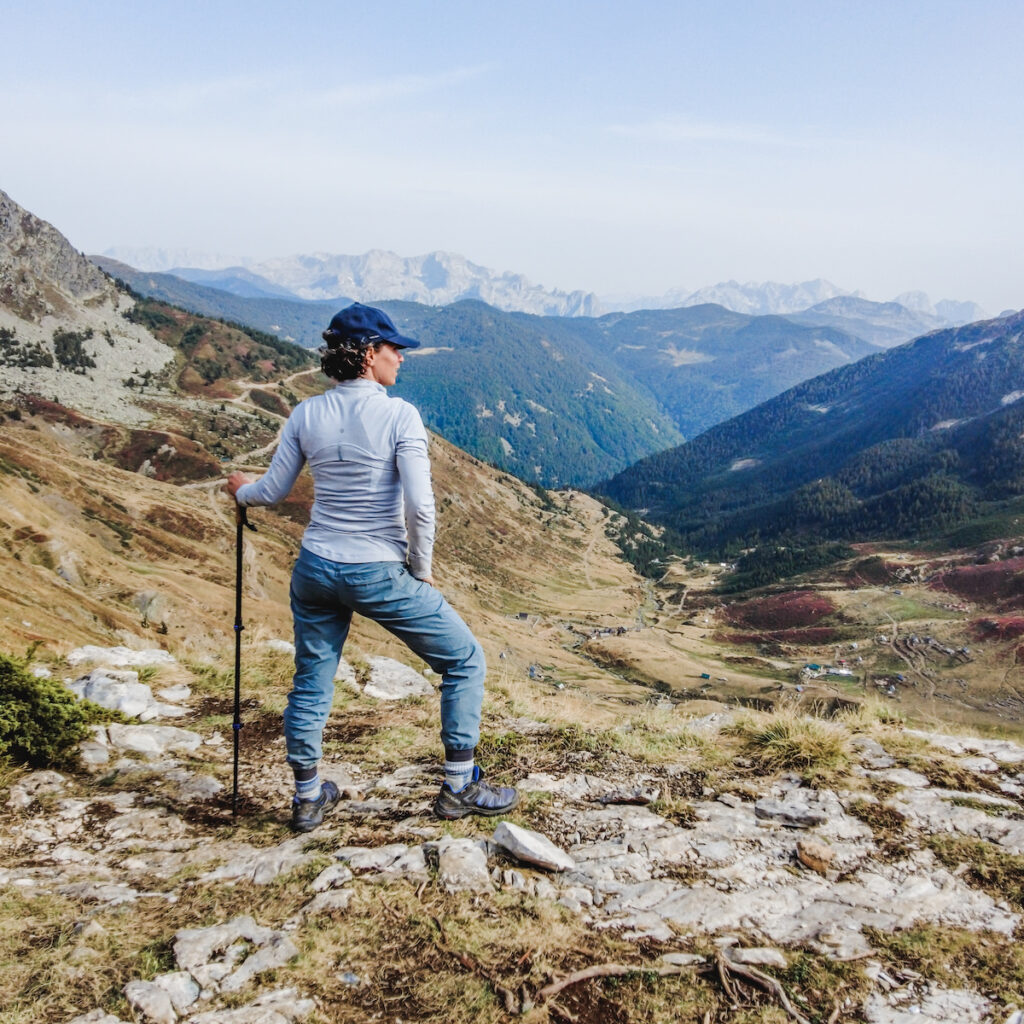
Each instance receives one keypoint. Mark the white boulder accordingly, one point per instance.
(391, 680)
(532, 847)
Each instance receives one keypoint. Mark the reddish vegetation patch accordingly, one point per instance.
(54, 412)
(1006, 628)
(999, 583)
(269, 401)
(795, 610)
(814, 637)
(172, 459)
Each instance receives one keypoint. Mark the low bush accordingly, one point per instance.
(41, 721)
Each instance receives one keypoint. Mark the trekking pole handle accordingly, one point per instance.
(242, 518)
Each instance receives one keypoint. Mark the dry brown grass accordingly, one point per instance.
(787, 740)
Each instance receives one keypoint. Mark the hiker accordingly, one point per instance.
(368, 549)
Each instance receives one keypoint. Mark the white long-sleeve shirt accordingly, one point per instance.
(367, 451)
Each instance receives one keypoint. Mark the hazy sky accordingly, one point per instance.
(626, 147)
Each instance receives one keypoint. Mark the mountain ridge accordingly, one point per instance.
(440, 278)
(435, 278)
(935, 417)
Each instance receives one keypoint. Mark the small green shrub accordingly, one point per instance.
(41, 722)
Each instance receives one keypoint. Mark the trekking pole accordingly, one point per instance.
(236, 725)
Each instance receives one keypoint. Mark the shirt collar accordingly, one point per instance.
(359, 383)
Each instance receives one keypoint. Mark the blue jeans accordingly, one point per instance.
(324, 594)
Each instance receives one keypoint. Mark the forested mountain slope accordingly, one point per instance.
(919, 438)
(706, 364)
(562, 400)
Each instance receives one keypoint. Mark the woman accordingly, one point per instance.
(368, 549)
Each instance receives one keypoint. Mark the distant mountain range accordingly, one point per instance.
(440, 278)
(921, 438)
(435, 279)
(767, 297)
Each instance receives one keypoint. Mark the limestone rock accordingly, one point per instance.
(361, 859)
(190, 787)
(331, 877)
(98, 892)
(630, 795)
(345, 674)
(815, 855)
(757, 956)
(275, 952)
(791, 813)
(153, 740)
(118, 656)
(151, 1001)
(532, 847)
(282, 1006)
(396, 860)
(181, 987)
(195, 947)
(872, 753)
(936, 1006)
(24, 793)
(682, 959)
(1004, 751)
(93, 754)
(96, 1016)
(391, 680)
(903, 777)
(462, 866)
(331, 902)
(175, 694)
(281, 646)
(115, 689)
(261, 866)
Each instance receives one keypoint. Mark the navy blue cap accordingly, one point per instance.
(362, 324)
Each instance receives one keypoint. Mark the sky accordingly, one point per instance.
(625, 148)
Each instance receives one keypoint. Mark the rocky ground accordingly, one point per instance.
(664, 851)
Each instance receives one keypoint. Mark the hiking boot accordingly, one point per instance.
(478, 797)
(308, 814)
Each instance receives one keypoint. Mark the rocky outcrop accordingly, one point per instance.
(41, 273)
(62, 332)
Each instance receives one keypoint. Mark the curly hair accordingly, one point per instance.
(344, 357)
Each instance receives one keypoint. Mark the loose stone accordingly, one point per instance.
(795, 815)
(462, 866)
(814, 854)
(757, 957)
(532, 847)
(151, 1001)
(391, 680)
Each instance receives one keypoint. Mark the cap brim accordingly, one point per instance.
(402, 342)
